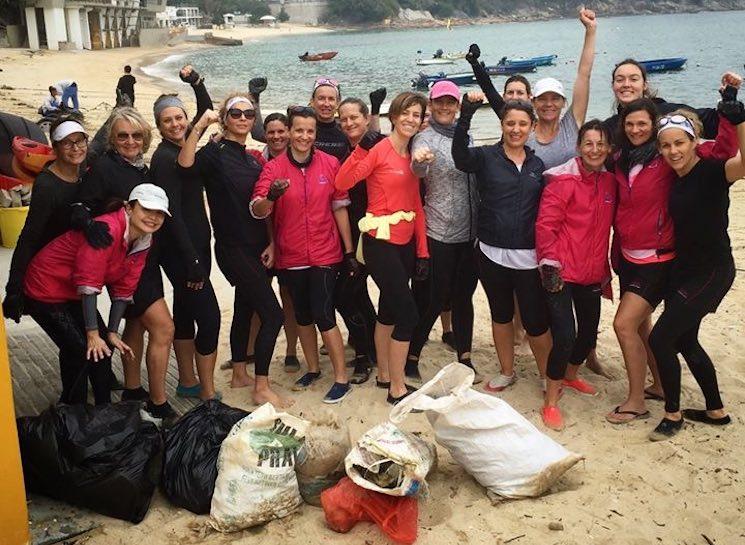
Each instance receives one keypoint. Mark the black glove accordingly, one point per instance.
(369, 139)
(192, 79)
(277, 189)
(13, 306)
(351, 264)
(551, 279)
(473, 54)
(257, 86)
(729, 107)
(468, 108)
(97, 234)
(421, 271)
(195, 272)
(376, 100)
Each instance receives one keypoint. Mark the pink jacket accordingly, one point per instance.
(572, 230)
(69, 267)
(305, 231)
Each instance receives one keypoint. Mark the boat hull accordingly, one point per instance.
(318, 56)
(664, 65)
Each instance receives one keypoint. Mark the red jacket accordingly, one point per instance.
(68, 266)
(572, 231)
(391, 187)
(642, 220)
(305, 231)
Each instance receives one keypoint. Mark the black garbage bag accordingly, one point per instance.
(104, 458)
(190, 456)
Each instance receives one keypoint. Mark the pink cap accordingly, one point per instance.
(444, 88)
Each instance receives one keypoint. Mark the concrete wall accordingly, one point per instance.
(301, 12)
(155, 37)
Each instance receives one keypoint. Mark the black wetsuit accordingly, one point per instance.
(186, 238)
(229, 175)
(702, 274)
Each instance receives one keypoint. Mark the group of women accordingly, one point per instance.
(422, 211)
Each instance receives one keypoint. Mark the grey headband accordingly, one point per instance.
(166, 102)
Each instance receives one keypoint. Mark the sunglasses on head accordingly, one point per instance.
(236, 113)
(320, 82)
(677, 119)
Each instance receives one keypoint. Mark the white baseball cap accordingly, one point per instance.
(548, 85)
(150, 196)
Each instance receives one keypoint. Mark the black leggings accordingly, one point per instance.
(571, 344)
(312, 292)
(253, 293)
(452, 280)
(352, 300)
(391, 266)
(501, 282)
(64, 324)
(190, 306)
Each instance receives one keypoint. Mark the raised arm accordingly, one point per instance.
(581, 91)
(734, 168)
(255, 87)
(466, 159)
(482, 78)
(187, 155)
(376, 101)
(204, 101)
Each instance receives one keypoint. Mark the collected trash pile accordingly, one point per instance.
(247, 469)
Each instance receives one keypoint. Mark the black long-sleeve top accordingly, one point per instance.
(330, 139)
(48, 218)
(487, 86)
(110, 178)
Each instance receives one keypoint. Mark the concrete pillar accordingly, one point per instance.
(31, 29)
(54, 21)
(106, 28)
(75, 34)
(85, 29)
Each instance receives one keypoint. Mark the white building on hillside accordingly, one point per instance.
(181, 16)
(88, 24)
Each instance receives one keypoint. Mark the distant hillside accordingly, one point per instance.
(377, 11)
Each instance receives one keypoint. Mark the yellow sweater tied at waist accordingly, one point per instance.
(382, 227)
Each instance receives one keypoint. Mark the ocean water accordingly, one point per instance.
(712, 42)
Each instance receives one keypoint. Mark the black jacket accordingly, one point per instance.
(509, 197)
(110, 178)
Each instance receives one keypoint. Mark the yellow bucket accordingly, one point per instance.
(11, 223)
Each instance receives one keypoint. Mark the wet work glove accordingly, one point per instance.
(13, 306)
(474, 52)
(277, 189)
(193, 78)
(376, 100)
(468, 108)
(421, 270)
(195, 273)
(729, 107)
(257, 86)
(96, 232)
(551, 279)
(351, 264)
(369, 139)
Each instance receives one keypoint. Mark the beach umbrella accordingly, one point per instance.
(268, 18)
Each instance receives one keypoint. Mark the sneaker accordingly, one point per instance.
(135, 394)
(449, 339)
(188, 391)
(666, 429)
(306, 381)
(500, 382)
(337, 392)
(163, 412)
(292, 364)
(552, 418)
(411, 370)
(396, 400)
(580, 386)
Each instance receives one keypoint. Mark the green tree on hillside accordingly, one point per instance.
(361, 11)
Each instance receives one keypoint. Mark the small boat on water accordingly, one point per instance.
(308, 57)
(663, 65)
(437, 58)
(543, 60)
(424, 81)
(455, 56)
(509, 69)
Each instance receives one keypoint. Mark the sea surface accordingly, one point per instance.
(712, 42)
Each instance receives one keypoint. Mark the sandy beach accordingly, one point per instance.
(628, 491)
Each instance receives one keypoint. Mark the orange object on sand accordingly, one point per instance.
(32, 155)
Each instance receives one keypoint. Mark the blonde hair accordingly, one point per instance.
(134, 118)
(224, 111)
(691, 116)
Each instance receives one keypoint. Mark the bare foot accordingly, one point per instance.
(594, 365)
(241, 381)
(270, 396)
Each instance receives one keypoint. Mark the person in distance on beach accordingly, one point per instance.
(572, 236)
(394, 238)
(243, 246)
(126, 86)
(644, 242)
(450, 205)
(310, 225)
(509, 179)
(704, 269)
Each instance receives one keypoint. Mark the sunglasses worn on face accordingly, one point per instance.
(124, 136)
(236, 113)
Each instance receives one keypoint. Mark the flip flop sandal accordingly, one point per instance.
(635, 415)
(651, 395)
